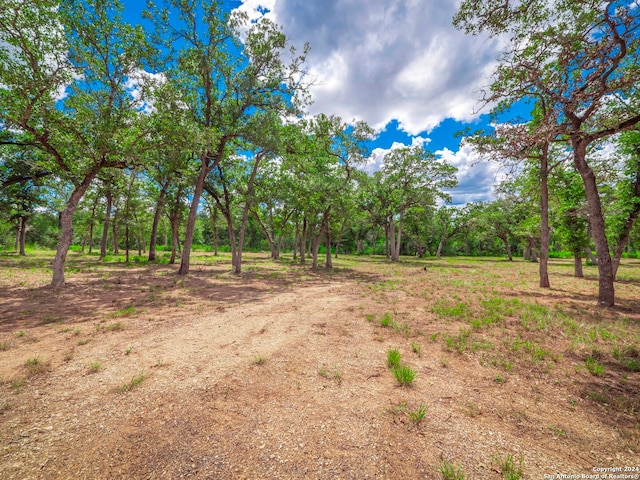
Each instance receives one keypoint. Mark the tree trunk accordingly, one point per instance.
(606, 292)
(316, 241)
(66, 224)
(191, 220)
(114, 227)
(16, 245)
(396, 253)
(507, 247)
(156, 221)
(303, 240)
(296, 241)
(215, 231)
(91, 224)
(443, 239)
(175, 240)
(359, 246)
(23, 234)
(532, 250)
(339, 238)
(391, 243)
(545, 231)
(624, 238)
(577, 264)
(327, 241)
(105, 228)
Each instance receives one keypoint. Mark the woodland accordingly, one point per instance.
(201, 280)
(189, 131)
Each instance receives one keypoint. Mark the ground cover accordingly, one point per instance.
(419, 369)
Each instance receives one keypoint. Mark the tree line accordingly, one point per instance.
(191, 129)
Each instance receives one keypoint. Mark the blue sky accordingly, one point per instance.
(398, 65)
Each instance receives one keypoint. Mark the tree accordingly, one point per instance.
(65, 70)
(412, 176)
(584, 58)
(221, 82)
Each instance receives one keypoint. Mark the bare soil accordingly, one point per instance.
(134, 372)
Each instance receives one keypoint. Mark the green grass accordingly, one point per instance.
(404, 375)
(449, 471)
(416, 348)
(36, 365)
(386, 320)
(259, 361)
(458, 310)
(418, 414)
(393, 358)
(133, 383)
(594, 366)
(16, 385)
(4, 346)
(114, 327)
(508, 467)
(332, 375)
(95, 367)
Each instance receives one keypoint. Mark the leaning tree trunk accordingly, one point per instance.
(156, 221)
(606, 291)
(443, 239)
(545, 231)
(66, 224)
(191, 220)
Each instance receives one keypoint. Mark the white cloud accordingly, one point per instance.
(384, 60)
(476, 177)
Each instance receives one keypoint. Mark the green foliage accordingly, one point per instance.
(449, 471)
(133, 383)
(418, 414)
(393, 358)
(594, 366)
(404, 375)
(508, 467)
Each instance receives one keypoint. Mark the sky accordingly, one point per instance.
(398, 65)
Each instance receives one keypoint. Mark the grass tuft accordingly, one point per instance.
(449, 471)
(404, 375)
(133, 383)
(393, 358)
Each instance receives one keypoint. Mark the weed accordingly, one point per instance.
(20, 334)
(450, 471)
(4, 346)
(416, 348)
(594, 366)
(134, 382)
(393, 358)
(114, 327)
(386, 320)
(77, 332)
(68, 356)
(404, 375)
(508, 467)
(418, 414)
(444, 309)
(36, 366)
(629, 357)
(370, 317)
(16, 385)
(5, 406)
(499, 379)
(128, 350)
(84, 341)
(95, 367)
(124, 312)
(434, 337)
(459, 342)
(259, 361)
(557, 431)
(444, 362)
(335, 375)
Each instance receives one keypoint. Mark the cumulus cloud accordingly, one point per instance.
(384, 60)
(476, 177)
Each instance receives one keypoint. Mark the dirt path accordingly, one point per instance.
(282, 383)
